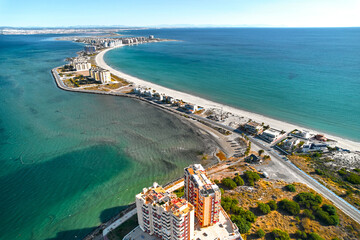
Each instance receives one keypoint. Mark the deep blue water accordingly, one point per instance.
(310, 77)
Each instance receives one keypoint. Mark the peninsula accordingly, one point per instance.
(246, 137)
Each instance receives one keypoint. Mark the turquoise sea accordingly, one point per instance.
(70, 161)
(309, 77)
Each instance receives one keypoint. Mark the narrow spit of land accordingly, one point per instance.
(278, 162)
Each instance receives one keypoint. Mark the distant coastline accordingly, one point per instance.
(278, 124)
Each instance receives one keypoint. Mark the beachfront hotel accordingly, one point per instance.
(203, 194)
(100, 74)
(164, 215)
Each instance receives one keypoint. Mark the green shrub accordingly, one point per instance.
(326, 218)
(349, 228)
(226, 203)
(319, 172)
(301, 235)
(222, 191)
(260, 233)
(251, 177)
(264, 208)
(353, 178)
(228, 182)
(291, 188)
(249, 216)
(272, 204)
(342, 172)
(289, 206)
(308, 213)
(179, 192)
(277, 234)
(239, 181)
(308, 200)
(314, 236)
(329, 208)
(316, 155)
(243, 225)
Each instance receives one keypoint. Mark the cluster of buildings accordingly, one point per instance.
(89, 49)
(304, 142)
(100, 74)
(166, 216)
(153, 95)
(96, 43)
(269, 135)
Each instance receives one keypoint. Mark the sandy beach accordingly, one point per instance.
(274, 123)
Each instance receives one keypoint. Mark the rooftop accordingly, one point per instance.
(206, 187)
(253, 124)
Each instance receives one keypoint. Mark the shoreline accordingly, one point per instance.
(274, 123)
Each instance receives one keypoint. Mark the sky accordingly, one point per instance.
(275, 13)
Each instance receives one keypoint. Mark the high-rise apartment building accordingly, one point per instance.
(203, 194)
(100, 74)
(163, 214)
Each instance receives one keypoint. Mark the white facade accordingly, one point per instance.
(100, 74)
(164, 215)
(82, 66)
(271, 134)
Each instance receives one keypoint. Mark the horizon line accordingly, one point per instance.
(173, 26)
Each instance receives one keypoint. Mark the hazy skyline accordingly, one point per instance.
(277, 13)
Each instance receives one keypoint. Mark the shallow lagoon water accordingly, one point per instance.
(69, 161)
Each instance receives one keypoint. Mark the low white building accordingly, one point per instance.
(170, 100)
(253, 127)
(315, 147)
(271, 135)
(302, 134)
(158, 96)
(148, 93)
(191, 107)
(290, 143)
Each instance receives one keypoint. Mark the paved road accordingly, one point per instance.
(301, 175)
(287, 166)
(119, 221)
(176, 186)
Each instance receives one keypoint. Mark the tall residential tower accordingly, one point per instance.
(162, 214)
(203, 194)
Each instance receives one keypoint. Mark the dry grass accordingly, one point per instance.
(221, 155)
(113, 85)
(265, 191)
(340, 188)
(121, 80)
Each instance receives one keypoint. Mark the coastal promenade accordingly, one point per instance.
(286, 166)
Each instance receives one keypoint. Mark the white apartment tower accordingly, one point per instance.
(162, 214)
